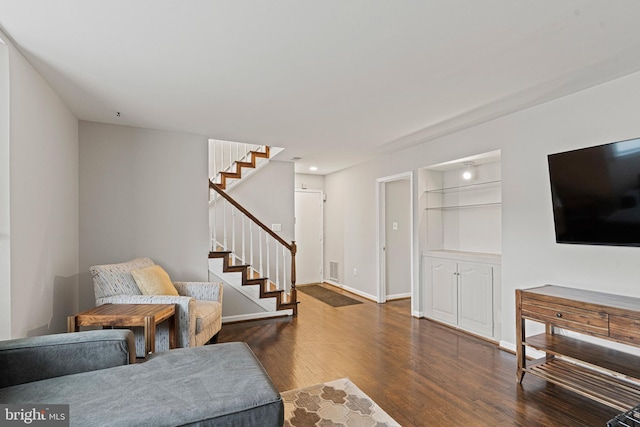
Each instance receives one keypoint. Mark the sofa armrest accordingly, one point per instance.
(31, 359)
(203, 291)
(185, 312)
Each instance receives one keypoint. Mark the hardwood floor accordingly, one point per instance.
(418, 371)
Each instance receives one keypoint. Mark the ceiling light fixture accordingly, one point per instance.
(468, 171)
(313, 168)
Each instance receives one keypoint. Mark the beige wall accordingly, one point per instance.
(43, 172)
(5, 249)
(142, 193)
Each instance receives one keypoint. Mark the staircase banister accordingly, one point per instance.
(241, 208)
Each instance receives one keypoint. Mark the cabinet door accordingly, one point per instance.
(444, 294)
(475, 298)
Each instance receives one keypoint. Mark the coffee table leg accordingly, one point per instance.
(72, 326)
(149, 335)
(172, 332)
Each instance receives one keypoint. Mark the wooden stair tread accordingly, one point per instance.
(242, 164)
(250, 277)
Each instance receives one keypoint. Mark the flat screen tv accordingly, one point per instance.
(596, 194)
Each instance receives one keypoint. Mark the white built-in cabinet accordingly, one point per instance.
(462, 289)
(461, 243)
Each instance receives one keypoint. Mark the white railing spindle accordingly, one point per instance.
(224, 224)
(277, 281)
(260, 249)
(251, 243)
(244, 256)
(233, 231)
(266, 243)
(284, 269)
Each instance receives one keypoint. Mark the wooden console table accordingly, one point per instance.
(128, 315)
(608, 376)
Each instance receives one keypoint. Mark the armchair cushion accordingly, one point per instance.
(153, 281)
(207, 312)
(116, 279)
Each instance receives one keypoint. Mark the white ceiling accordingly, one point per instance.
(331, 81)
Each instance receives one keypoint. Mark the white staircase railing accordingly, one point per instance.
(251, 242)
(224, 155)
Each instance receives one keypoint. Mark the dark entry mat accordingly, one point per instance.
(327, 296)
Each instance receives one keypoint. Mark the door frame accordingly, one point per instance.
(321, 194)
(381, 238)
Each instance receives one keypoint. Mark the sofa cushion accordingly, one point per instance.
(207, 313)
(116, 279)
(221, 385)
(153, 281)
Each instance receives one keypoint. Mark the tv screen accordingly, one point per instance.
(596, 194)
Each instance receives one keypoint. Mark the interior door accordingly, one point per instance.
(309, 233)
(398, 239)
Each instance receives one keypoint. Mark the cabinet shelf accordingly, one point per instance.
(470, 205)
(467, 187)
(476, 195)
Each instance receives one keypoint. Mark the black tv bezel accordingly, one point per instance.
(553, 205)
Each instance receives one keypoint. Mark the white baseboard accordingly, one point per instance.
(511, 347)
(256, 316)
(418, 314)
(398, 296)
(506, 345)
(352, 290)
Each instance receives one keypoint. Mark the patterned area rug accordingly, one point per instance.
(327, 296)
(336, 403)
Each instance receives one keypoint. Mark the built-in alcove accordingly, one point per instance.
(460, 241)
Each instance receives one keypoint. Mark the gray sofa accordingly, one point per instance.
(92, 371)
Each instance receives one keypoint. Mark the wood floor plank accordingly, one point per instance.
(420, 372)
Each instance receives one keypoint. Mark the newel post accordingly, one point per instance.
(294, 296)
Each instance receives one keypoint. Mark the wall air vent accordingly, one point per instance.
(333, 271)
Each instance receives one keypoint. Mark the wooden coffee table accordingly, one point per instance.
(128, 315)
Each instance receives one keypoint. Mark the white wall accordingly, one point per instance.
(307, 181)
(43, 203)
(142, 193)
(5, 249)
(530, 256)
(269, 195)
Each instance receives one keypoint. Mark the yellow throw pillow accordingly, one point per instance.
(153, 281)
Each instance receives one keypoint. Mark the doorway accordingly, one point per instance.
(396, 275)
(309, 231)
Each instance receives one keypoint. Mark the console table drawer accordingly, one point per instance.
(566, 316)
(625, 328)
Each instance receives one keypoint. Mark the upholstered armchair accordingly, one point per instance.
(198, 304)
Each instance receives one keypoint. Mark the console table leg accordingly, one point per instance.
(521, 353)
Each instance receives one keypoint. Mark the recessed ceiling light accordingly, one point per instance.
(313, 168)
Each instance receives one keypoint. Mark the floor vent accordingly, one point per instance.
(333, 271)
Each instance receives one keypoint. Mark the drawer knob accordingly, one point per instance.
(558, 314)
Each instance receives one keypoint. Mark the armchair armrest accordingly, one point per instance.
(25, 360)
(204, 291)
